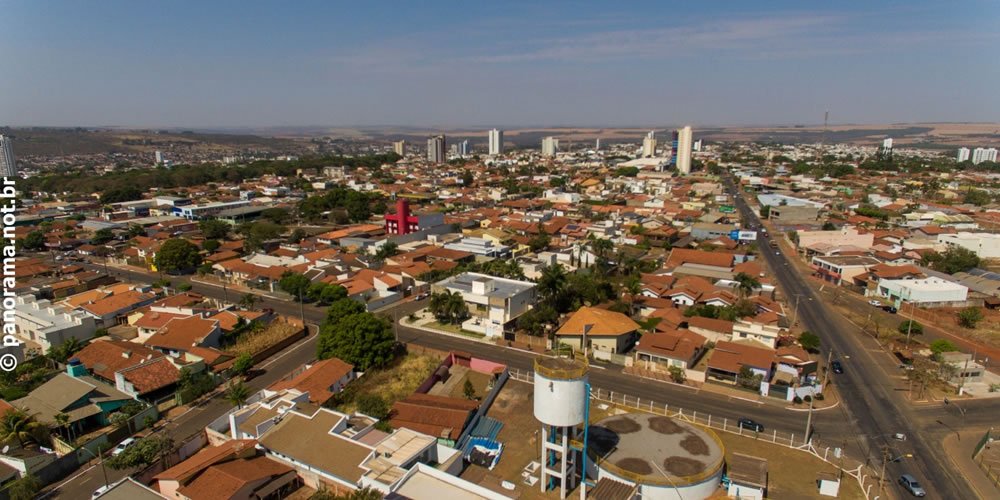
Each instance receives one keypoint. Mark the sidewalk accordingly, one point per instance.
(959, 449)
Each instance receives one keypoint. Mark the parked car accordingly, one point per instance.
(890, 309)
(421, 296)
(837, 367)
(747, 423)
(910, 484)
(100, 491)
(874, 303)
(122, 446)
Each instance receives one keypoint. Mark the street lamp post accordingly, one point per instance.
(101, 462)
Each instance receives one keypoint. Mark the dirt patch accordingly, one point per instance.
(682, 466)
(665, 425)
(636, 465)
(695, 445)
(622, 426)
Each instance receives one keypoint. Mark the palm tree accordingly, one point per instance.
(237, 393)
(62, 352)
(746, 284)
(248, 301)
(552, 281)
(63, 420)
(18, 425)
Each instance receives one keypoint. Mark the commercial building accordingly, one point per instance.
(493, 302)
(840, 268)
(846, 236)
(550, 145)
(436, 149)
(403, 222)
(649, 145)
(480, 246)
(399, 147)
(8, 164)
(985, 245)
(195, 212)
(496, 142)
(681, 157)
(927, 291)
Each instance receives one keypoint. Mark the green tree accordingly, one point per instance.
(535, 321)
(449, 307)
(373, 405)
(954, 260)
(469, 390)
(387, 250)
(970, 317)
(24, 488)
(910, 327)
(298, 234)
(256, 233)
(34, 240)
(120, 195)
(214, 229)
(977, 197)
(248, 301)
(276, 215)
(18, 425)
(746, 284)
(177, 255)
(136, 230)
(242, 364)
(341, 309)
(62, 352)
(540, 241)
(941, 345)
(677, 374)
(143, 453)
(102, 236)
(553, 281)
(333, 293)
(210, 245)
(809, 341)
(363, 340)
(294, 284)
(237, 393)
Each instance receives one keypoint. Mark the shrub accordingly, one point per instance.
(797, 400)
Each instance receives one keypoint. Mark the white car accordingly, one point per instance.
(874, 303)
(100, 491)
(122, 446)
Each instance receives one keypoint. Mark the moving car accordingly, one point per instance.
(837, 367)
(910, 484)
(747, 423)
(122, 446)
(890, 309)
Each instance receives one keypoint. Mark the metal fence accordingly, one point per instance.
(986, 458)
(867, 479)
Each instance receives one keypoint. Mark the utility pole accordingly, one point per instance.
(809, 420)
(909, 326)
(302, 312)
(881, 475)
(826, 376)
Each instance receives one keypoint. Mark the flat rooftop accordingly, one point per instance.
(502, 287)
(655, 450)
(849, 260)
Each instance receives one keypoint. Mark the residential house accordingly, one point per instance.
(441, 417)
(320, 381)
(677, 348)
(729, 358)
(711, 265)
(839, 269)
(48, 324)
(113, 310)
(233, 470)
(179, 335)
(493, 302)
(85, 400)
(606, 332)
(712, 329)
(763, 334)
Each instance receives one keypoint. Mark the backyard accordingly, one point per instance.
(392, 383)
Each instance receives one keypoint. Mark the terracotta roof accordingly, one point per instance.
(730, 357)
(185, 299)
(711, 324)
(207, 457)
(436, 416)
(105, 357)
(155, 320)
(676, 344)
(117, 302)
(317, 379)
(223, 481)
(183, 334)
(152, 375)
(894, 272)
(604, 322)
(679, 256)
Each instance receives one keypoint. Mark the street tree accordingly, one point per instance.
(294, 284)
(214, 229)
(177, 255)
(237, 393)
(809, 341)
(970, 317)
(361, 339)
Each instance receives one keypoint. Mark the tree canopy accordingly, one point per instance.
(953, 260)
(177, 255)
(359, 338)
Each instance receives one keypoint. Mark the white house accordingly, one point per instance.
(48, 324)
(985, 245)
(493, 302)
(759, 332)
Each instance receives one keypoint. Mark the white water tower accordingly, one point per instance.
(560, 405)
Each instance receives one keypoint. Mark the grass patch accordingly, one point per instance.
(791, 474)
(453, 329)
(392, 383)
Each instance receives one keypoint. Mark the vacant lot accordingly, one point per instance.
(392, 383)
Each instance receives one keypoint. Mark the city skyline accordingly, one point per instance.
(564, 64)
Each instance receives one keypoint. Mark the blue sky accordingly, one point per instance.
(451, 64)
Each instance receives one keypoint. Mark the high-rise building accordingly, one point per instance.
(681, 156)
(159, 157)
(549, 146)
(963, 154)
(436, 149)
(649, 145)
(463, 148)
(496, 142)
(697, 145)
(887, 144)
(399, 147)
(597, 145)
(8, 164)
(979, 155)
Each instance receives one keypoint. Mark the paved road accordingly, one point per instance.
(874, 403)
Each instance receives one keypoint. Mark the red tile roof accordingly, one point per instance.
(105, 357)
(152, 375)
(317, 379)
(183, 334)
